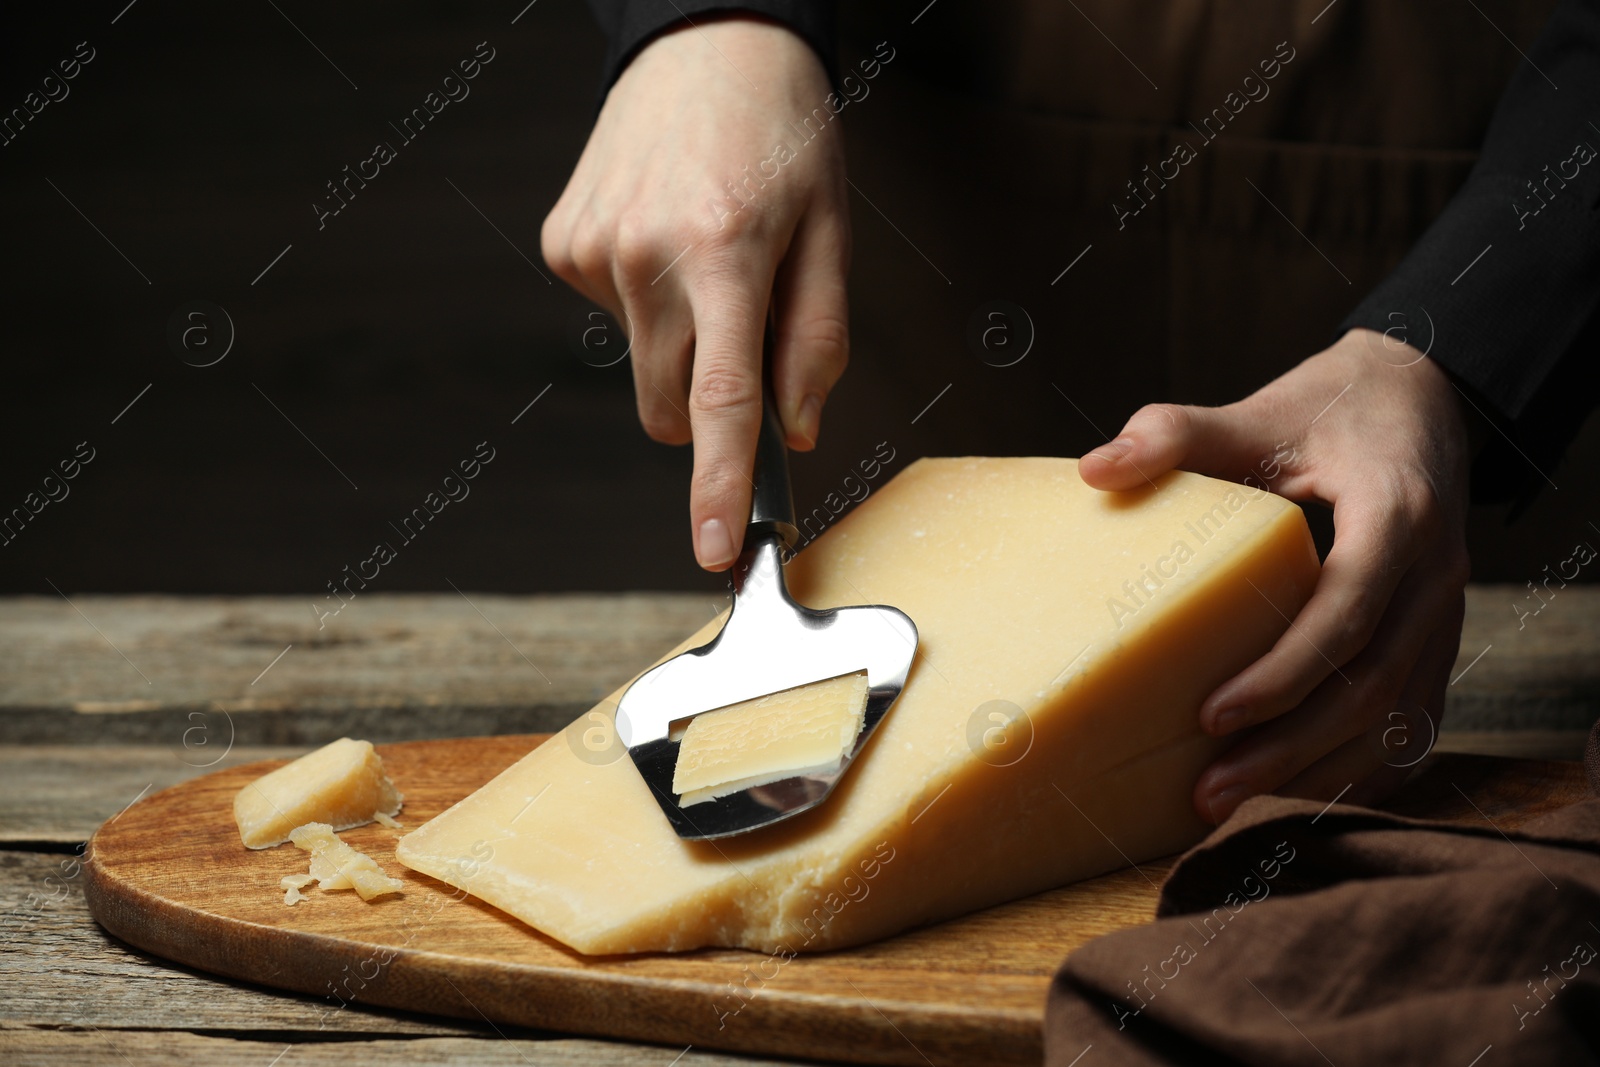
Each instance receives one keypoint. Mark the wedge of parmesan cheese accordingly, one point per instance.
(806, 730)
(341, 784)
(335, 865)
(1047, 731)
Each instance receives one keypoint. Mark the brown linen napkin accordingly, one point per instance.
(1346, 936)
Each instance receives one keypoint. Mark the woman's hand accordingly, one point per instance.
(714, 182)
(1375, 429)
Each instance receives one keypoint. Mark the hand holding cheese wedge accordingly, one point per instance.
(1098, 623)
(1375, 429)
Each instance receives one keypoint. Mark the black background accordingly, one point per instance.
(408, 329)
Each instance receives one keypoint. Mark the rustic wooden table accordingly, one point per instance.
(106, 699)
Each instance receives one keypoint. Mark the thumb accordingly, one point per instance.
(813, 333)
(1221, 442)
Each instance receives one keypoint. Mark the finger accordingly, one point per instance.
(1336, 774)
(579, 250)
(725, 413)
(1367, 769)
(1411, 644)
(1376, 539)
(555, 241)
(659, 341)
(1222, 442)
(813, 334)
(662, 353)
(1273, 754)
(660, 326)
(1409, 733)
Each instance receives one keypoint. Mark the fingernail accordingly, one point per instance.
(715, 546)
(1227, 720)
(1113, 450)
(1223, 802)
(811, 417)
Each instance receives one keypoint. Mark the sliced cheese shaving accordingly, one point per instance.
(806, 730)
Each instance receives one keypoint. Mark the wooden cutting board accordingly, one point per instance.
(169, 876)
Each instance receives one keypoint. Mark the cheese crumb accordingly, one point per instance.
(341, 784)
(386, 820)
(292, 884)
(335, 865)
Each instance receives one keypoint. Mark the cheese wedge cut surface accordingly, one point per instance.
(1047, 731)
(798, 731)
(341, 784)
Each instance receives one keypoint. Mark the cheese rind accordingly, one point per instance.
(805, 730)
(1103, 619)
(341, 784)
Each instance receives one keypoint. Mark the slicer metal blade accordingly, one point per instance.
(768, 644)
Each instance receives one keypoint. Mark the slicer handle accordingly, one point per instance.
(772, 503)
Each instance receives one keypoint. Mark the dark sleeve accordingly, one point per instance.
(629, 25)
(1509, 275)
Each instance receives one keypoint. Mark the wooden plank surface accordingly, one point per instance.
(56, 795)
(75, 995)
(103, 670)
(963, 991)
(162, 1049)
(267, 671)
(61, 970)
(1517, 744)
(82, 734)
(59, 794)
(169, 875)
(1527, 659)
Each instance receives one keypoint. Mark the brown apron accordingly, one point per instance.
(1003, 139)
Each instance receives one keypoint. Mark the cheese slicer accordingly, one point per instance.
(768, 644)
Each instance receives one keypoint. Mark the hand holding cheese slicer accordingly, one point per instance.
(768, 644)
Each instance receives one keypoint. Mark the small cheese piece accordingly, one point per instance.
(341, 784)
(1048, 730)
(806, 730)
(335, 865)
(291, 884)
